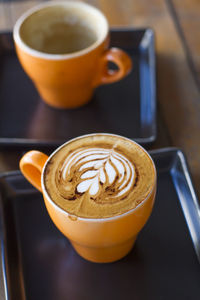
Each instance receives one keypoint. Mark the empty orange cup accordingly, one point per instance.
(98, 240)
(67, 80)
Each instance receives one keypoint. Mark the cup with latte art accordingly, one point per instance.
(99, 190)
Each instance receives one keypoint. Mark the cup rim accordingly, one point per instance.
(106, 219)
(18, 40)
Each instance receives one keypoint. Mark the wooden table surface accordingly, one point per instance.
(176, 24)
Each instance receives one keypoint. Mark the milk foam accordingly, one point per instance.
(99, 176)
(99, 168)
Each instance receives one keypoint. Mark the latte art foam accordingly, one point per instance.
(101, 173)
(99, 176)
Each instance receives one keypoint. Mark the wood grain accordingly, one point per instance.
(188, 13)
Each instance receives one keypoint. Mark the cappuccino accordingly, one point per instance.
(99, 176)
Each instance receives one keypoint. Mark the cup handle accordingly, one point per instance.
(31, 166)
(118, 57)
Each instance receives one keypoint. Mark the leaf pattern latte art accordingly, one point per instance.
(103, 174)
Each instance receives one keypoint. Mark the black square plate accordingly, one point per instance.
(127, 107)
(39, 263)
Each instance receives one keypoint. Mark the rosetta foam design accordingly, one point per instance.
(99, 169)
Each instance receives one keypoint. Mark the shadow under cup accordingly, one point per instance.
(63, 48)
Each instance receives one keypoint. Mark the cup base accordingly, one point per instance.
(61, 98)
(104, 254)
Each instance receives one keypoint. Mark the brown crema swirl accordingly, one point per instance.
(99, 176)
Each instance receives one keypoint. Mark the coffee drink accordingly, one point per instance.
(64, 49)
(59, 30)
(99, 176)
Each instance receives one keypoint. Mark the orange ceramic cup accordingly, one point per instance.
(67, 80)
(97, 240)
